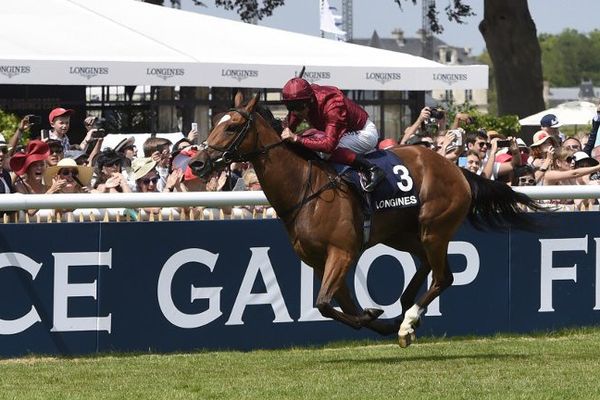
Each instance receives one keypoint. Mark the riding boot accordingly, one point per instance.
(371, 173)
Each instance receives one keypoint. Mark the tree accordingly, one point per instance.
(511, 40)
(570, 57)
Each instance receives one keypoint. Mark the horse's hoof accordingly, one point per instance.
(405, 340)
(373, 313)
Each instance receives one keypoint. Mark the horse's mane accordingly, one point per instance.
(277, 125)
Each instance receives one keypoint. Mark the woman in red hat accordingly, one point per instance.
(29, 168)
(339, 126)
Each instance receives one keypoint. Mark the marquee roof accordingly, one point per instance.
(126, 42)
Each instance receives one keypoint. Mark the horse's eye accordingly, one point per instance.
(232, 130)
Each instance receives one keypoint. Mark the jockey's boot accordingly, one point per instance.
(371, 173)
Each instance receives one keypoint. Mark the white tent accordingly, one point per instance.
(570, 113)
(126, 42)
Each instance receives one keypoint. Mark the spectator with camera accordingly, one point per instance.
(95, 134)
(159, 150)
(450, 145)
(108, 177)
(430, 122)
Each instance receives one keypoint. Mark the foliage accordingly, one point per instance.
(456, 10)
(8, 124)
(506, 124)
(248, 10)
(547, 366)
(570, 57)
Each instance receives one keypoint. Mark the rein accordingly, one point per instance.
(334, 182)
(231, 153)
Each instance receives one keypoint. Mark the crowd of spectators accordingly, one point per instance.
(551, 159)
(51, 164)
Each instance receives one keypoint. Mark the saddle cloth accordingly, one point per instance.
(397, 190)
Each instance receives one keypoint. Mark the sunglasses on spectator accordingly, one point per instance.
(68, 172)
(574, 147)
(523, 180)
(56, 151)
(482, 144)
(3, 150)
(570, 159)
(147, 181)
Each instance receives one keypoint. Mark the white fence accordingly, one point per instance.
(221, 199)
(190, 205)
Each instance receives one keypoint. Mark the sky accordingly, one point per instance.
(302, 16)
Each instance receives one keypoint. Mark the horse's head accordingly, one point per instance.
(234, 138)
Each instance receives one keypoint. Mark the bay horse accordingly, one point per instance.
(324, 217)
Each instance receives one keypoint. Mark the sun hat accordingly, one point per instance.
(141, 166)
(550, 121)
(540, 137)
(84, 174)
(583, 159)
(120, 147)
(3, 141)
(36, 151)
(58, 112)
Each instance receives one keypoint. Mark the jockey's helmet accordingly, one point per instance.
(297, 89)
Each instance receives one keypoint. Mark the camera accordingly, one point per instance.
(34, 119)
(99, 133)
(436, 113)
(595, 176)
(99, 123)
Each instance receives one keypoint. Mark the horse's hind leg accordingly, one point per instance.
(337, 266)
(437, 255)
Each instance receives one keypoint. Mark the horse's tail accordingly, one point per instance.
(495, 205)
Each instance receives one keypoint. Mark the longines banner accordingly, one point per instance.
(167, 286)
(239, 75)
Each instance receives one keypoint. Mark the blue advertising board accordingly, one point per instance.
(172, 286)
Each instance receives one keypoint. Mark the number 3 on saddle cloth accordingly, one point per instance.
(396, 191)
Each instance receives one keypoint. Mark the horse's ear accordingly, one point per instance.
(238, 99)
(252, 103)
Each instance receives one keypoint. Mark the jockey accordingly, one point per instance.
(339, 126)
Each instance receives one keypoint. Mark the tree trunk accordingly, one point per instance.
(511, 39)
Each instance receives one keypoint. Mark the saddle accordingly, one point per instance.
(396, 191)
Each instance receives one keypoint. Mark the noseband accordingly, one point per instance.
(231, 153)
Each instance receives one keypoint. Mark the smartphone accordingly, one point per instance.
(194, 126)
(503, 143)
(462, 162)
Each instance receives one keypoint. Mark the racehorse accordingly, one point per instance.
(324, 217)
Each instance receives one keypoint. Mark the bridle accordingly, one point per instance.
(231, 153)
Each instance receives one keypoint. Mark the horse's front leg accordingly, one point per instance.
(336, 267)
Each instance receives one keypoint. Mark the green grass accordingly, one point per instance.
(563, 365)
